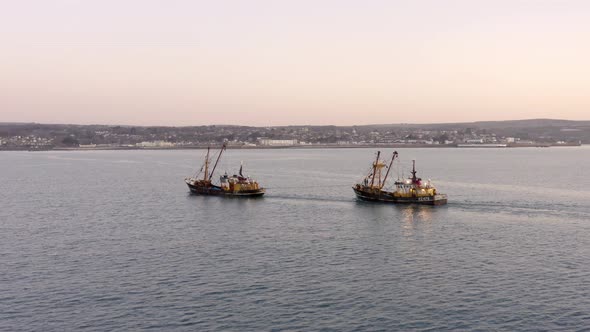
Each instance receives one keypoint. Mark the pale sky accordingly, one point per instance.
(255, 62)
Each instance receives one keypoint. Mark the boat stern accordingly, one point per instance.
(440, 199)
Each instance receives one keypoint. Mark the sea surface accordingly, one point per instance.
(113, 241)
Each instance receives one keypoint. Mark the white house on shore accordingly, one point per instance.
(276, 142)
(155, 144)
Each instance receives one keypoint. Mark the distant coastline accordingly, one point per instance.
(309, 147)
(499, 134)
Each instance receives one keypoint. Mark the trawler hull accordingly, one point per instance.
(387, 197)
(218, 191)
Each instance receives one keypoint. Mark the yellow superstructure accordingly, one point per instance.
(236, 184)
(415, 192)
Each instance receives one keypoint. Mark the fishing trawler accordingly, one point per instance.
(236, 185)
(411, 190)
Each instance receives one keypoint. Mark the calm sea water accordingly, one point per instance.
(111, 240)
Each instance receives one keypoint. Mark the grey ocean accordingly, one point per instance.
(111, 240)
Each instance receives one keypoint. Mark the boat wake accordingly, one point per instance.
(311, 198)
(532, 210)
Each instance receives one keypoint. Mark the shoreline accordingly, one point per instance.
(318, 146)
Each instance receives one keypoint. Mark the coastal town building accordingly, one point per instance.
(277, 142)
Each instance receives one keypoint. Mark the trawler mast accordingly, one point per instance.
(388, 169)
(375, 169)
(206, 165)
(217, 161)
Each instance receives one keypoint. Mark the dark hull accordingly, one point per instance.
(387, 197)
(217, 191)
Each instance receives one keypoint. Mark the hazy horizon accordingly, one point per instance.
(270, 63)
(287, 125)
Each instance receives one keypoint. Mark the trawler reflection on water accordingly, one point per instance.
(416, 213)
(416, 218)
